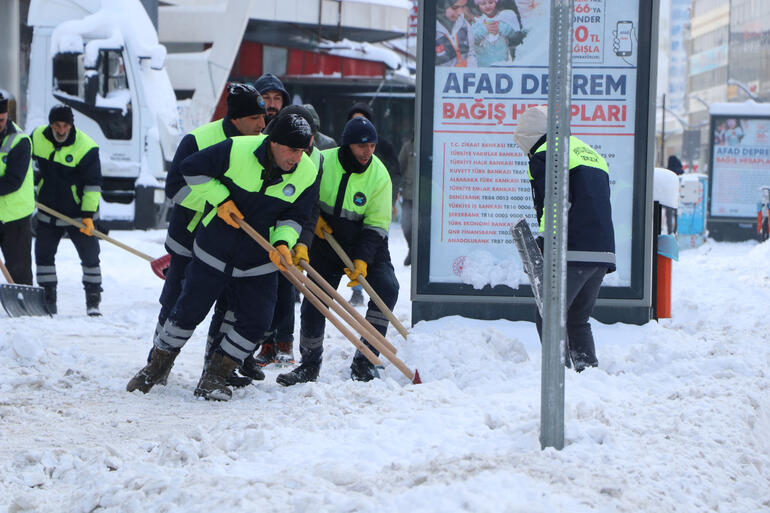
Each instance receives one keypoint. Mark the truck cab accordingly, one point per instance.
(102, 58)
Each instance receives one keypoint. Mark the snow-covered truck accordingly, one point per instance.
(102, 58)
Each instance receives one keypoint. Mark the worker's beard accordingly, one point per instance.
(270, 114)
(60, 138)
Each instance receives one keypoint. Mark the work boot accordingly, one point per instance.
(49, 294)
(582, 360)
(213, 383)
(307, 371)
(357, 299)
(155, 372)
(251, 369)
(266, 354)
(284, 355)
(235, 380)
(93, 298)
(362, 369)
(164, 378)
(408, 259)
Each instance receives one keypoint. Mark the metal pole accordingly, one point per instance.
(320, 12)
(555, 212)
(10, 50)
(663, 133)
(339, 20)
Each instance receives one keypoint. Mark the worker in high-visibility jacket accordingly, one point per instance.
(69, 180)
(17, 197)
(355, 200)
(245, 116)
(270, 183)
(590, 232)
(277, 347)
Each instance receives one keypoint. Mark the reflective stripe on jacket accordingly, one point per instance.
(357, 206)
(70, 174)
(20, 202)
(591, 236)
(275, 203)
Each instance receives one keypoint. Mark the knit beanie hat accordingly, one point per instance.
(360, 108)
(61, 112)
(532, 125)
(300, 111)
(290, 130)
(243, 100)
(3, 103)
(359, 130)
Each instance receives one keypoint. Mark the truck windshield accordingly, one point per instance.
(101, 94)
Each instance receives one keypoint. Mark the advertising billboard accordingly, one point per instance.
(489, 64)
(740, 167)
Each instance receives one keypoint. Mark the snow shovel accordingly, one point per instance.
(158, 265)
(323, 302)
(531, 259)
(20, 300)
(368, 288)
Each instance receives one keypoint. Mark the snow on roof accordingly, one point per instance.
(365, 51)
(747, 108)
(118, 23)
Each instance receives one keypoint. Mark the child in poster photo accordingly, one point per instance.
(496, 32)
(453, 38)
(734, 132)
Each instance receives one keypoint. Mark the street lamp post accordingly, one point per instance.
(742, 87)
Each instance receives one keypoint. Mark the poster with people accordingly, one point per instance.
(741, 164)
(491, 64)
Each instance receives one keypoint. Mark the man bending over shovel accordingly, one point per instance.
(268, 182)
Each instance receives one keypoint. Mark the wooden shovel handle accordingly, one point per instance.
(6, 274)
(293, 275)
(368, 288)
(96, 232)
(350, 309)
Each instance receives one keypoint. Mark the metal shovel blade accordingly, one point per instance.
(20, 300)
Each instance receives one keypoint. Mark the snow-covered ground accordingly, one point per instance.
(676, 417)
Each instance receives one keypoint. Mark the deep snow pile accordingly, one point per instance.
(676, 418)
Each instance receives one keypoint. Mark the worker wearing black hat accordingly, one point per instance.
(269, 182)
(69, 181)
(355, 205)
(245, 116)
(388, 156)
(278, 344)
(17, 197)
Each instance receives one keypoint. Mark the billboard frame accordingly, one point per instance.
(632, 304)
(730, 228)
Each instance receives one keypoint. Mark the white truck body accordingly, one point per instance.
(102, 58)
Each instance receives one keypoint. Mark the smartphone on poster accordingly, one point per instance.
(623, 31)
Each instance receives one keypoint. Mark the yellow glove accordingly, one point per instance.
(279, 251)
(360, 270)
(88, 226)
(226, 209)
(300, 255)
(322, 228)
